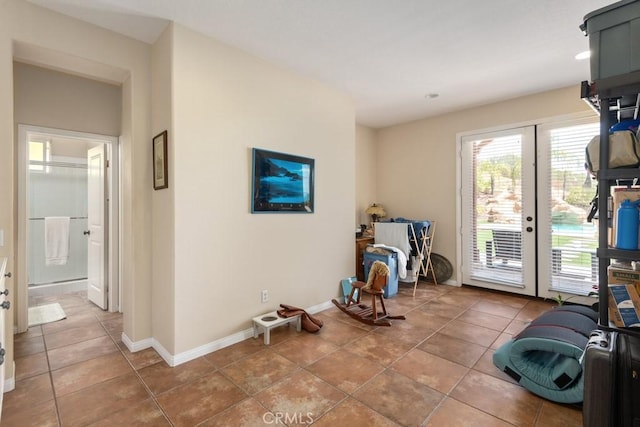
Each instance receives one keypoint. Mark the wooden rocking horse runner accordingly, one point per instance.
(377, 280)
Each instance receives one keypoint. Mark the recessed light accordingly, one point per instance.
(583, 55)
(432, 95)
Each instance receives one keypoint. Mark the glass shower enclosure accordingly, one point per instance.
(57, 188)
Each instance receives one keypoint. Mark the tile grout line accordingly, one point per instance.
(44, 334)
(344, 346)
(137, 374)
(387, 368)
(468, 369)
(472, 368)
(53, 387)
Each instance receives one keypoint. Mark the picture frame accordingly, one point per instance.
(281, 182)
(160, 161)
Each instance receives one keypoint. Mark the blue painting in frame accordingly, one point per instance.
(281, 182)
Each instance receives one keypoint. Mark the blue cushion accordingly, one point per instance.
(573, 393)
(545, 358)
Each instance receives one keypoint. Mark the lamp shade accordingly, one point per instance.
(375, 211)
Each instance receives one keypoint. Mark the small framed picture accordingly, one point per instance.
(160, 161)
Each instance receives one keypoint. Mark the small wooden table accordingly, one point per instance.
(361, 244)
(271, 320)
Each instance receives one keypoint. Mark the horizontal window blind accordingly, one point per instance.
(569, 190)
(493, 183)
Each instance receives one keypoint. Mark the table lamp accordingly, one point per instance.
(375, 211)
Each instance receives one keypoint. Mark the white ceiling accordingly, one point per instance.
(386, 55)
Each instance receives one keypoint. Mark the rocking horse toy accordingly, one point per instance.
(377, 280)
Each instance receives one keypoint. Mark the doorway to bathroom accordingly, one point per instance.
(68, 217)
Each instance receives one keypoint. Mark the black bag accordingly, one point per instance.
(612, 380)
(628, 378)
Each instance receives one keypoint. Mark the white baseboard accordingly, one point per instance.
(163, 352)
(451, 282)
(320, 307)
(146, 343)
(137, 345)
(10, 383)
(186, 356)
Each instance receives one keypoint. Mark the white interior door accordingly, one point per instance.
(498, 210)
(97, 215)
(3, 344)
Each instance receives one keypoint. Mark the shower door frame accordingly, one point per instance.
(113, 264)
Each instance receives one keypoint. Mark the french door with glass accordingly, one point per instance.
(524, 201)
(498, 210)
(567, 242)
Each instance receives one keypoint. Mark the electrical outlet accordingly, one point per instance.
(265, 295)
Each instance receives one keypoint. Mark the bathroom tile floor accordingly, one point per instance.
(432, 369)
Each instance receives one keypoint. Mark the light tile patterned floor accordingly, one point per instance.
(433, 369)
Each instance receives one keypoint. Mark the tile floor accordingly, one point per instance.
(432, 369)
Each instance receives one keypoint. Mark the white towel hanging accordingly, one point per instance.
(393, 234)
(56, 240)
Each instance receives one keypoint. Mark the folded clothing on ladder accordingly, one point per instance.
(394, 235)
(418, 225)
(414, 235)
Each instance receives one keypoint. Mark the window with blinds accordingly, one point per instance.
(567, 241)
(492, 190)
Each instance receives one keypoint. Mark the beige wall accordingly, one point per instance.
(52, 99)
(417, 161)
(366, 169)
(224, 103)
(194, 258)
(50, 39)
(163, 242)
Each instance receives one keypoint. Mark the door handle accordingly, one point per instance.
(5, 292)
(5, 305)
(2, 352)
(8, 275)
(529, 229)
(87, 232)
